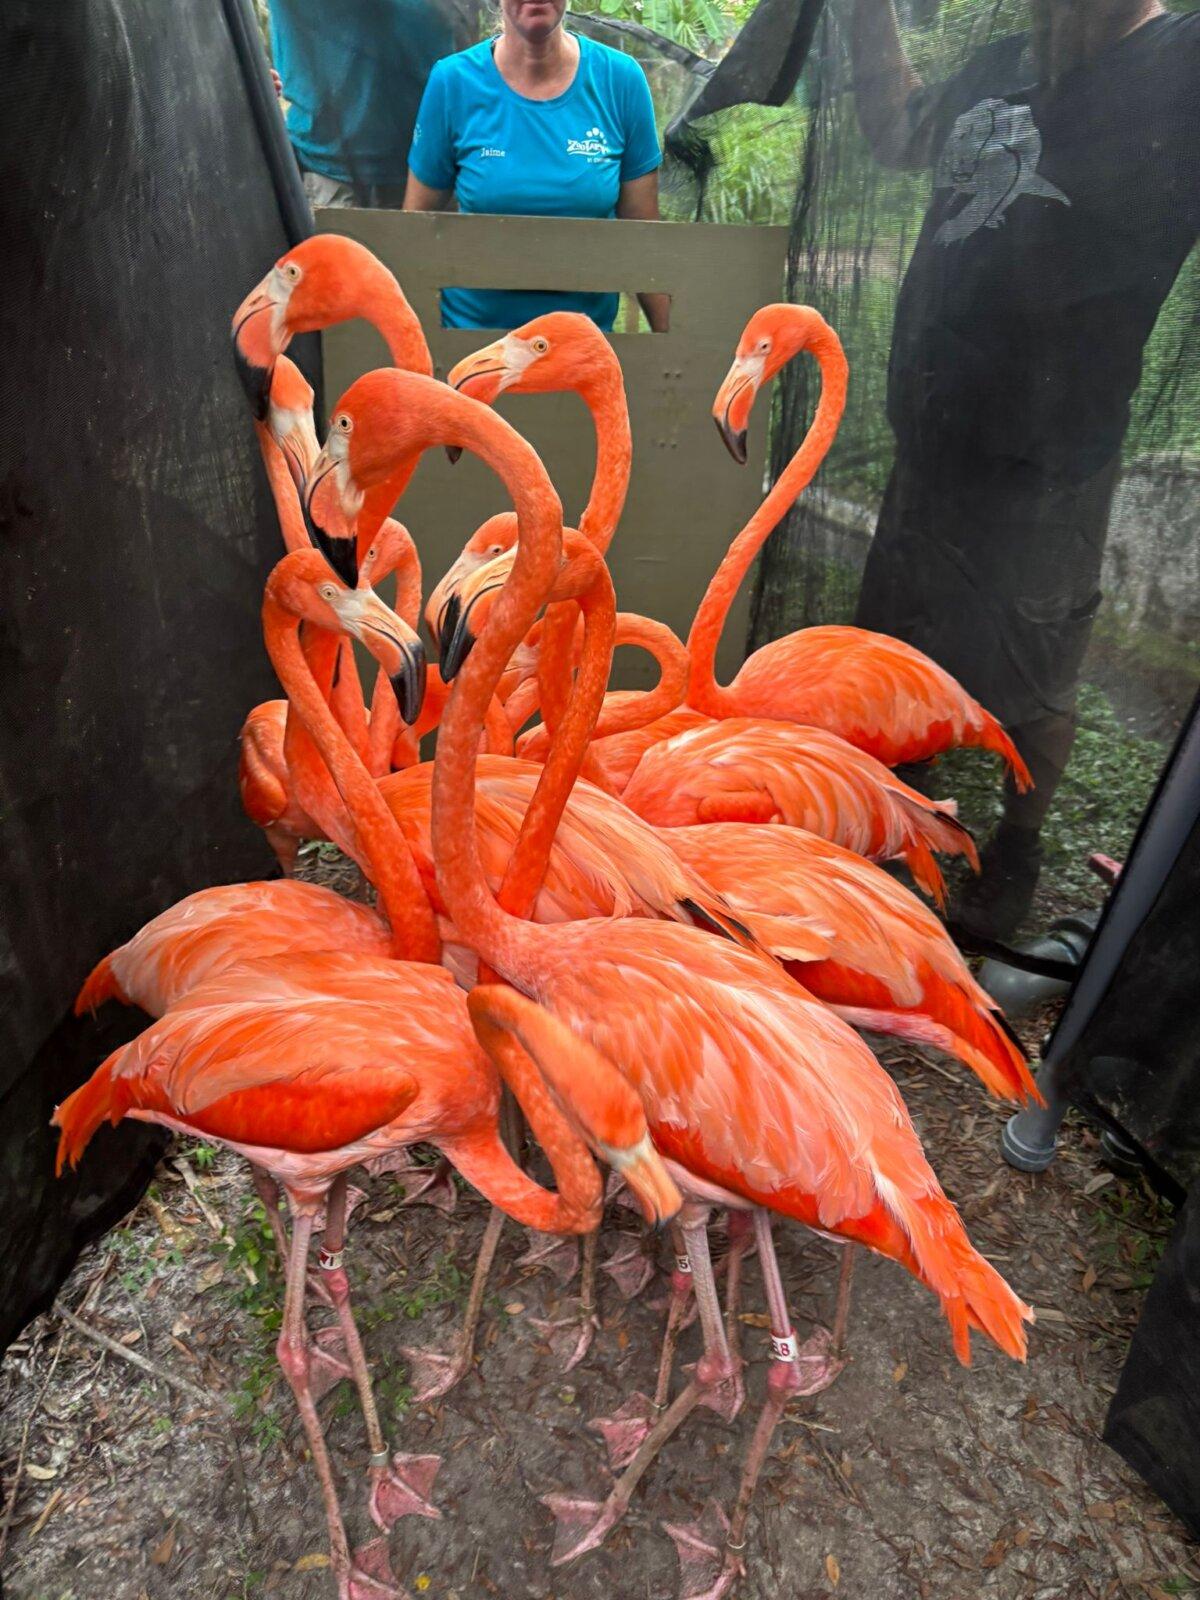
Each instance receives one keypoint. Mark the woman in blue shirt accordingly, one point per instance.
(536, 122)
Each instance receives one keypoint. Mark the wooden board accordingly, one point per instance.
(687, 497)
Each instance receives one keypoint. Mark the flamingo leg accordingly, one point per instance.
(624, 1432)
(400, 1484)
(841, 1313)
(582, 1525)
(267, 1191)
(432, 1372)
(571, 1337)
(294, 1355)
(741, 1238)
(711, 1549)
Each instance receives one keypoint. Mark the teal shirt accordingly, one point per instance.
(353, 73)
(505, 154)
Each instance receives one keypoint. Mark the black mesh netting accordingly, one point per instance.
(136, 204)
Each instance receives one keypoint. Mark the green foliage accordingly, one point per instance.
(442, 1283)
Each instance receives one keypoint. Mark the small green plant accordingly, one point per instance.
(203, 1155)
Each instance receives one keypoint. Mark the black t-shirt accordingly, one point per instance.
(1059, 222)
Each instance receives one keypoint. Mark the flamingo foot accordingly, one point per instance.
(817, 1365)
(371, 1577)
(402, 1489)
(579, 1525)
(424, 1184)
(328, 1362)
(629, 1267)
(708, 1568)
(433, 1373)
(354, 1198)
(558, 1256)
(625, 1430)
(570, 1338)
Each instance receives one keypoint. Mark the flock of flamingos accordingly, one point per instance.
(592, 913)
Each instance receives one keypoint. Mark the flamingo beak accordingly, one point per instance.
(325, 519)
(453, 452)
(653, 1186)
(254, 348)
(392, 643)
(483, 374)
(731, 408)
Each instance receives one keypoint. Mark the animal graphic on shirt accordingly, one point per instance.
(992, 155)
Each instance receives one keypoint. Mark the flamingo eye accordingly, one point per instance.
(327, 591)
(342, 422)
(539, 346)
(763, 346)
(495, 550)
(292, 272)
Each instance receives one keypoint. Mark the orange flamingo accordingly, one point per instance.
(307, 1074)
(325, 280)
(757, 1094)
(882, 695)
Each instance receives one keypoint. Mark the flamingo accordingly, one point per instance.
(306, 1074)
(322, 281)
(877, 693)
(756, 1094)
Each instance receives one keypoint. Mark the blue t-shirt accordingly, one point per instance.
(505, 154)
(353, 73)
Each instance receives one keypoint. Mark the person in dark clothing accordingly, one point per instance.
(1066, 166)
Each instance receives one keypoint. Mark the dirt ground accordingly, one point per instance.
(911, 1477)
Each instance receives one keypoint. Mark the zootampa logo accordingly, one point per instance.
(592, 144)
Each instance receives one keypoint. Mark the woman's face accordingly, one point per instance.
(534, 20)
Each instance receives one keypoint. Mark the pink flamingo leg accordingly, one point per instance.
(624, 1432)
(570, 1337)
(710, 1550)
(293, 1352)
(400, 1484)
(841, 1314)
(432, 1372)
(584, 1524)
(267, 1191)
(741, 1239)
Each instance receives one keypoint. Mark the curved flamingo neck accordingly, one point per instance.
(283, 491)
(704, 693)
(388, 861)
(504, 942)
(526, 870)
(379, 299)
(604, 396)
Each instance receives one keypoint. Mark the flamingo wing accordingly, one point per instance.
(774, 771)
(876, 692)
(214, 928)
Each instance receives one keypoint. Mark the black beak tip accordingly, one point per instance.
(453, 452)
(341, 554)
(255, 381)
(408, 685)
(449, 619)
(735, 441)
(456, 647)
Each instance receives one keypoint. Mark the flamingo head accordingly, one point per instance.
(303, 584)
(772, 337)
(323, 280)
(492, 538)
(290, 419)
(391, 546)
(559, 351)
(468, 608)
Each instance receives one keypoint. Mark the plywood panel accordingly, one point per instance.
(687, 497)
